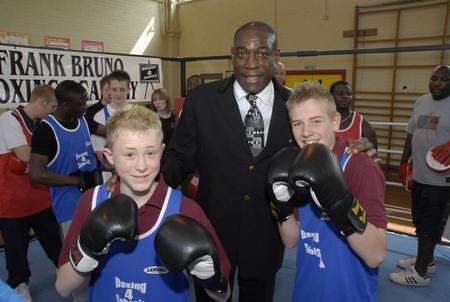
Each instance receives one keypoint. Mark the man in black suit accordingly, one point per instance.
(214, 136)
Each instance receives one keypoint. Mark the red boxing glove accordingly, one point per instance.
(441, 153)
(16, 166)
(405, 174)
(438, 158)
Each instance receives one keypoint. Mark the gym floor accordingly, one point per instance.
(398, 203)
(399, 246)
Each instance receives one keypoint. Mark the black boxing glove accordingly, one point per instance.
(115, 218)
(279, 192)
(182, 243)
(317, 167)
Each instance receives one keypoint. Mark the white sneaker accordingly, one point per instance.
(24, 291)
(408, 263)
(409, 277)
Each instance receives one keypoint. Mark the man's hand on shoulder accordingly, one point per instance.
(361, 145)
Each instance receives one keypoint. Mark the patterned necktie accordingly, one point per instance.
(254, 126)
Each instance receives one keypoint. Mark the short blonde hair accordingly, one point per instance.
(315, 91)
(45, 92)
(134, 118)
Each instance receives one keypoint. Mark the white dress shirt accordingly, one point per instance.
(264, 104)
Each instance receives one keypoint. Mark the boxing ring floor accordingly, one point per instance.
(399, 246)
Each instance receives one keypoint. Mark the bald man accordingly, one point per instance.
(212, 137)
(428, 127)
(280, 73)
(192, 82)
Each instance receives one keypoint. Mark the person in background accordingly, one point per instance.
(25, 206)
(353, 124)
(192, 82)
(428, 128)
(118, 89)
(61, 152)
(160, 103)
(280, 73)
(94, 108)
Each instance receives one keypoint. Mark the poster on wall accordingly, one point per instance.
(8, 37)
(57, 42)
(325, 77)
(92, 46)
(22, 69)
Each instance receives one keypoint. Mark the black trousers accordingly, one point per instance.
(16, 233)
(430, 210)
(250, 290)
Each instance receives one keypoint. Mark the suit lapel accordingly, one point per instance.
(230, 111)
(278, 124)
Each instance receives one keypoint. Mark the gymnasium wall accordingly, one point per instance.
(319, 25)
(117, 23)
(302, 25)
(206, 27)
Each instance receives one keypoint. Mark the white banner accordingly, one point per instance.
(23, 68)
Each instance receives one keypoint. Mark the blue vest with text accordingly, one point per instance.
(106, 113)
(327, 268)
(74, 153)
(131, 271)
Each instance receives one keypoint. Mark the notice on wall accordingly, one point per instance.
(8, 37)
(23, 68)
(324, 77)
(92, 46)
(57, 42)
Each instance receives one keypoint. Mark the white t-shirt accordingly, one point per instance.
(11, 134)
(430, 126)
(99, 142)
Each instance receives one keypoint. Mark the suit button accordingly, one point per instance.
(251, 167)
(247, 197)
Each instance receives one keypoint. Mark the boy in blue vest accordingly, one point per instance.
(333, 212)
(130, 270)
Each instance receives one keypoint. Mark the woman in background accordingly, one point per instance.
(160, 103)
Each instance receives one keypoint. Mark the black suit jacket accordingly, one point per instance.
(211, 136)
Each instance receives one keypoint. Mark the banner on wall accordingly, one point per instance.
(23, 68)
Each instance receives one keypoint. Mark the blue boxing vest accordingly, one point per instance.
(131, 271)
(327, 268)
(106, 113)
(74, 153)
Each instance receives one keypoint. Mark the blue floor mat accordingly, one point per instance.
(399, 246)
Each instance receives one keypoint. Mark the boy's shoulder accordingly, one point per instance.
(191, 209)
(361, 164)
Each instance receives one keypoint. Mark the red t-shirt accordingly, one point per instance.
(366, 182)
(148, 215)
